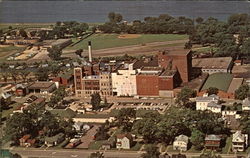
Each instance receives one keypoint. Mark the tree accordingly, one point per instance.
(24, 74)
(197, 139)
(184, 95)
(151, 152)
(199, 20)
(23, 33)
(42, 74)
(242, 92)
(14, 75)
(212, 90)
(55, 53)
(245, 123)
(96, 155)
(57, 97)
(95, 101)
(245, 49)
(125, 118)
(148, 127)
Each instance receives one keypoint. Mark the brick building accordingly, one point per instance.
(178, 59)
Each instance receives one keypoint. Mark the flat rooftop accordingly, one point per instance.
(212, 63)
(38, 85)
(235, 84)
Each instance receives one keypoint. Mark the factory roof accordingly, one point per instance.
(212, 63)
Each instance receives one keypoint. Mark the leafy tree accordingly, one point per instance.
(212, 90)
(55, 53)
(199, 20)
(57, 97)
(5, 75)
(14, 75)
(67, 127)
(197, 139)
(42, 74)
(96, 155)
(245, 123)
(245, 49)
(242, 92)
(17, 125)
(147, 127)
(125, 118)
(114, 17)
(95, 101)
(151, 152)
(23, 33)
(24, 74)
(184, 95)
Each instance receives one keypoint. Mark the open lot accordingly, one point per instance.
(102, 41)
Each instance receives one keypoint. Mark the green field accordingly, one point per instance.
(102, 41)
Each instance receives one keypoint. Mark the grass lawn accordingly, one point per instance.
(226, 148)
(5, 51)
(96, 145)
(6, 113)
(137, 146)
(102, 41)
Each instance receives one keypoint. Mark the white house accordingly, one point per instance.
(180, 143)
(239, 141)
(214, 107)
(202, 102)
(78, 126)
(246, 104)
(124, 141)
(124, 81)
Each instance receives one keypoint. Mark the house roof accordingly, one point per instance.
(212, 63)
(26, 137)
(127, 135)
(207, 99)
(213, 137)
(238, 137)
(246, 102)
(6, 95)
(182, 138)
(221, 81)
(213, 104)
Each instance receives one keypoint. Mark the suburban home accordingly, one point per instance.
(124, 141)
(78, 126)
(246, 104)
(54, 140)
(5, 98)
(202, 102)
(23, 140)
(214, 107)
(239, 141)
(108, 144)
(21, 90)
(181, 143)
(43, 87)
(212, 141)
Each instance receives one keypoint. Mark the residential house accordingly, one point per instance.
(54, 140)
(246, 104)
(239, 141)
(212, 141)
(180, 143)
(202, 102)
(78, 126)
(124, 141)
(214, 107)
(108, 144)
(23, 140)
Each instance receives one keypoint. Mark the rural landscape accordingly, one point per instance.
(161, 87)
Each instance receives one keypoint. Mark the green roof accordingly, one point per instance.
(218, 80)
(68, 113)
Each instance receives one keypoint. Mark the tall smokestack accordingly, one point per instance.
(90, 52)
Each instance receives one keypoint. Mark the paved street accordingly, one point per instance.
(69, 153)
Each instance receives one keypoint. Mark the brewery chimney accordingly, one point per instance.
(90, 52)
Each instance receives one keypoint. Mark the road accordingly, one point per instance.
(73, 153)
